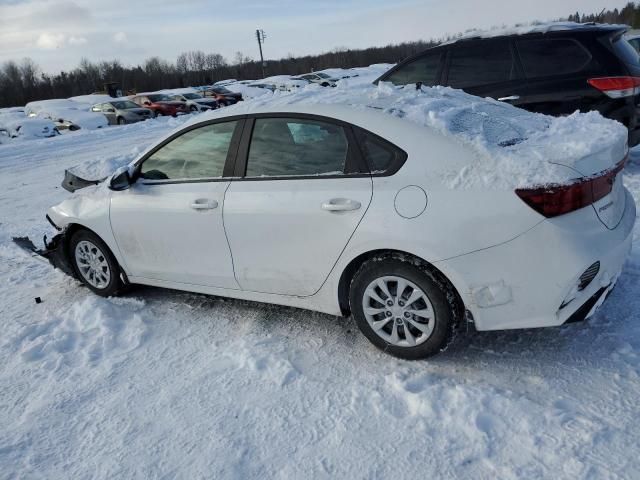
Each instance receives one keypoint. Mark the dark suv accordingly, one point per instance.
(549, 70)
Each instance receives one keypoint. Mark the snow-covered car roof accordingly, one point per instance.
(178, 91)
(92, 99)
(511, 147)
(39, 105)
(11, 110)
(548, 27)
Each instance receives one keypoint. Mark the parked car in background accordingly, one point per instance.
(160, 104)
(194, 101)
(66, 114)
(16, 124)
(121, 112)
(555, 69)
(73, 119)
(223, 95)
(320, 78)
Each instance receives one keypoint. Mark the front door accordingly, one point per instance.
(300, 201)
(168, 225)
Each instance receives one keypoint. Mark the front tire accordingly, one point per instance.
(121, 121)
(403, 308)
(94, 264)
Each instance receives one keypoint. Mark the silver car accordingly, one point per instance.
(121, 112)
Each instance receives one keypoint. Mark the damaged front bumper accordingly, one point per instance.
(54, 251)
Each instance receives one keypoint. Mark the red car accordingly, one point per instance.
(161, 104)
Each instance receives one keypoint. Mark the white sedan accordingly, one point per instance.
(344, 210)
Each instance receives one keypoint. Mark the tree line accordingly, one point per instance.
(23, 81)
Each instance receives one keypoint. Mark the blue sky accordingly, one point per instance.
(57, 33)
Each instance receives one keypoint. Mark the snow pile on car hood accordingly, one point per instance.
(513, 147)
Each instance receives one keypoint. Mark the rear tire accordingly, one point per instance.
(405, 309)
(94, 264)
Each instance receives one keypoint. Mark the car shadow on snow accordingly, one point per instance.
(583, 343)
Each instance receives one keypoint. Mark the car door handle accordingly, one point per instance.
(510, 98)
(204, 204)
(340, 205)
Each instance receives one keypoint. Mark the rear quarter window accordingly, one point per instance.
(625, 51)
(381, 156)
(553, 56)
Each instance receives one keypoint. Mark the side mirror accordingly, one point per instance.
(120, 180)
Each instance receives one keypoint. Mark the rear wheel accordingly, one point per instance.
(405, 309)
(94, 263)
(157, 113)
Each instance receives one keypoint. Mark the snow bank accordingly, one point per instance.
(513, 148)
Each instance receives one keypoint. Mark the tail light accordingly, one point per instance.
(616, 87)
(554, 200)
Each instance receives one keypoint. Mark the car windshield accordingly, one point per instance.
(158, 98)
(222, 90)
(124, 105)
(191, 96)
(323, 75)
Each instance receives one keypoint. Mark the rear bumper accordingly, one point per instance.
(530, 281)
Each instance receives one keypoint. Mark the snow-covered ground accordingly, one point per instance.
(165, 384)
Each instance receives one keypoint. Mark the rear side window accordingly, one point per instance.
(198, 153)
(547, 57)
(625, 51)
(296, 147)
(424, 69)
(481, 63)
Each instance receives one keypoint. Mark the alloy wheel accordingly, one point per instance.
(398, 311)
(92, 264)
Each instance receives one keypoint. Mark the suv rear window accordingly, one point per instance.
(481, 63)
(552, 56)
(423, 69)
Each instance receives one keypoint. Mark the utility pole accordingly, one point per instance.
(261, 36)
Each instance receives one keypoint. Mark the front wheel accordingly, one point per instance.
(402, 307)
(121, 121)
(94, 263)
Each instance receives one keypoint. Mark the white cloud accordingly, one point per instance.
(77, 40)
(50, 41)
(120, 37)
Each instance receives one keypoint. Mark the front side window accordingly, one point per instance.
(481, 63)
(296, 147)
(548, 57)
(198, 153)
(424, 69)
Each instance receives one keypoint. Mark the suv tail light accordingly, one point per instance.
(616, 87)
(554, 200)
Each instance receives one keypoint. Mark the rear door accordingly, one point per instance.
(303, 191)
(486, 68)
(556, 71)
